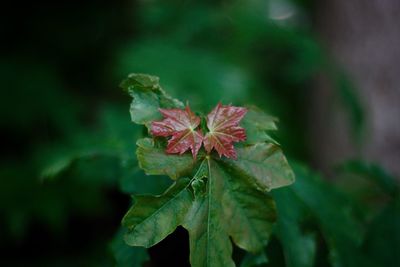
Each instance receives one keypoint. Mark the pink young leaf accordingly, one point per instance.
(181, 125)
(224, 129)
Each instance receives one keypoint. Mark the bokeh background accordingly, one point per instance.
(329, 70)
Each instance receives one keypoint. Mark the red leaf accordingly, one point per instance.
(224, 129)
(181, 125)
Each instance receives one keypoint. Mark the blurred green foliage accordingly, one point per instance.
(62, 116)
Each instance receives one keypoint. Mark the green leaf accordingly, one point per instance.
(127, 256)
(372, 172)
(152, 218)
(148, 97)
(57, 166)
(331, 210)
(154, 161)
(249, 213)
(265, 164)
(230, 207)
(209, 243)
(257, 123)
(299, 248)
(329, 206)
(351, 101)
(252, 260)
(383, 237)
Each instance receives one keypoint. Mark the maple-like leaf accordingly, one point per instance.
(224, 129)
(227, 206)
(218, 200)
(148, 98)
(181, 125)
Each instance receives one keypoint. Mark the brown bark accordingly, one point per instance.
(364, 37)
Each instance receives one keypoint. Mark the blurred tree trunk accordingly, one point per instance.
(364, 37)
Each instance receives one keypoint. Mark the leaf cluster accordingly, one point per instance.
(213, 198)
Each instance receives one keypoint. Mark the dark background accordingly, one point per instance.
(327, 69)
